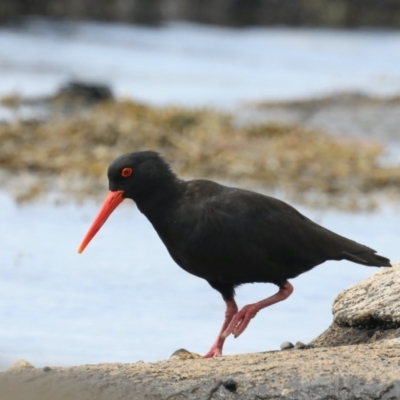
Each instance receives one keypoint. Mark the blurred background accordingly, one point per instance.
(238, 13)
(299, 100)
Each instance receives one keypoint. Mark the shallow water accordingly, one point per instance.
(198, 65)
(125, 300)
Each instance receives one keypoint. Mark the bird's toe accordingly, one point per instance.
(240, 321)
(213, 352)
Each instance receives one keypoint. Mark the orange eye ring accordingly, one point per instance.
(126, 172)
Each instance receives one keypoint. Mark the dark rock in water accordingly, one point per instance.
(90, 93)
(72, 98)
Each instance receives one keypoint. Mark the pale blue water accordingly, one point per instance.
(199, 65)
(124, 299)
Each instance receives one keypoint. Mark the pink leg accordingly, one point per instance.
(240, 321)
(216, 348)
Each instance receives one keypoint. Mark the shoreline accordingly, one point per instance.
(329, 368)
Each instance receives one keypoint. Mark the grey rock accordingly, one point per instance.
(183, 354)
(286, 346)
(346, 373)
(20, 365)
(376, 298)
(367, 312)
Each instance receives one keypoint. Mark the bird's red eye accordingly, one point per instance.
(126, 172)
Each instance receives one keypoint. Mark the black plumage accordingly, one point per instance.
(229, 236)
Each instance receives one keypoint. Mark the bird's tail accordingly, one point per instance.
(368, 257)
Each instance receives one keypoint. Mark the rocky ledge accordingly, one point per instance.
(333, 367)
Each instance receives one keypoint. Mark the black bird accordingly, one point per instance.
(225, 235)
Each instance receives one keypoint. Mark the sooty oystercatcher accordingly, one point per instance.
(225, 235)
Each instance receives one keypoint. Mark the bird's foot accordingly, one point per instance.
(215, 351)
(240, 321)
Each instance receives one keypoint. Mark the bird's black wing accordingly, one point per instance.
(240, 236)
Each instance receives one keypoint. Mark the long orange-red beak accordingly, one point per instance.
(111, 202)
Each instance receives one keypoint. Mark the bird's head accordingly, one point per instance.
(132, 176)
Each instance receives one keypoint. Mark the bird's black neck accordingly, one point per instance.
(156, 203)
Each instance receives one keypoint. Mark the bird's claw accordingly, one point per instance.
(240, 321)
(213, 352)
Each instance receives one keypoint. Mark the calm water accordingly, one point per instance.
(199, 65)
(124, 299)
